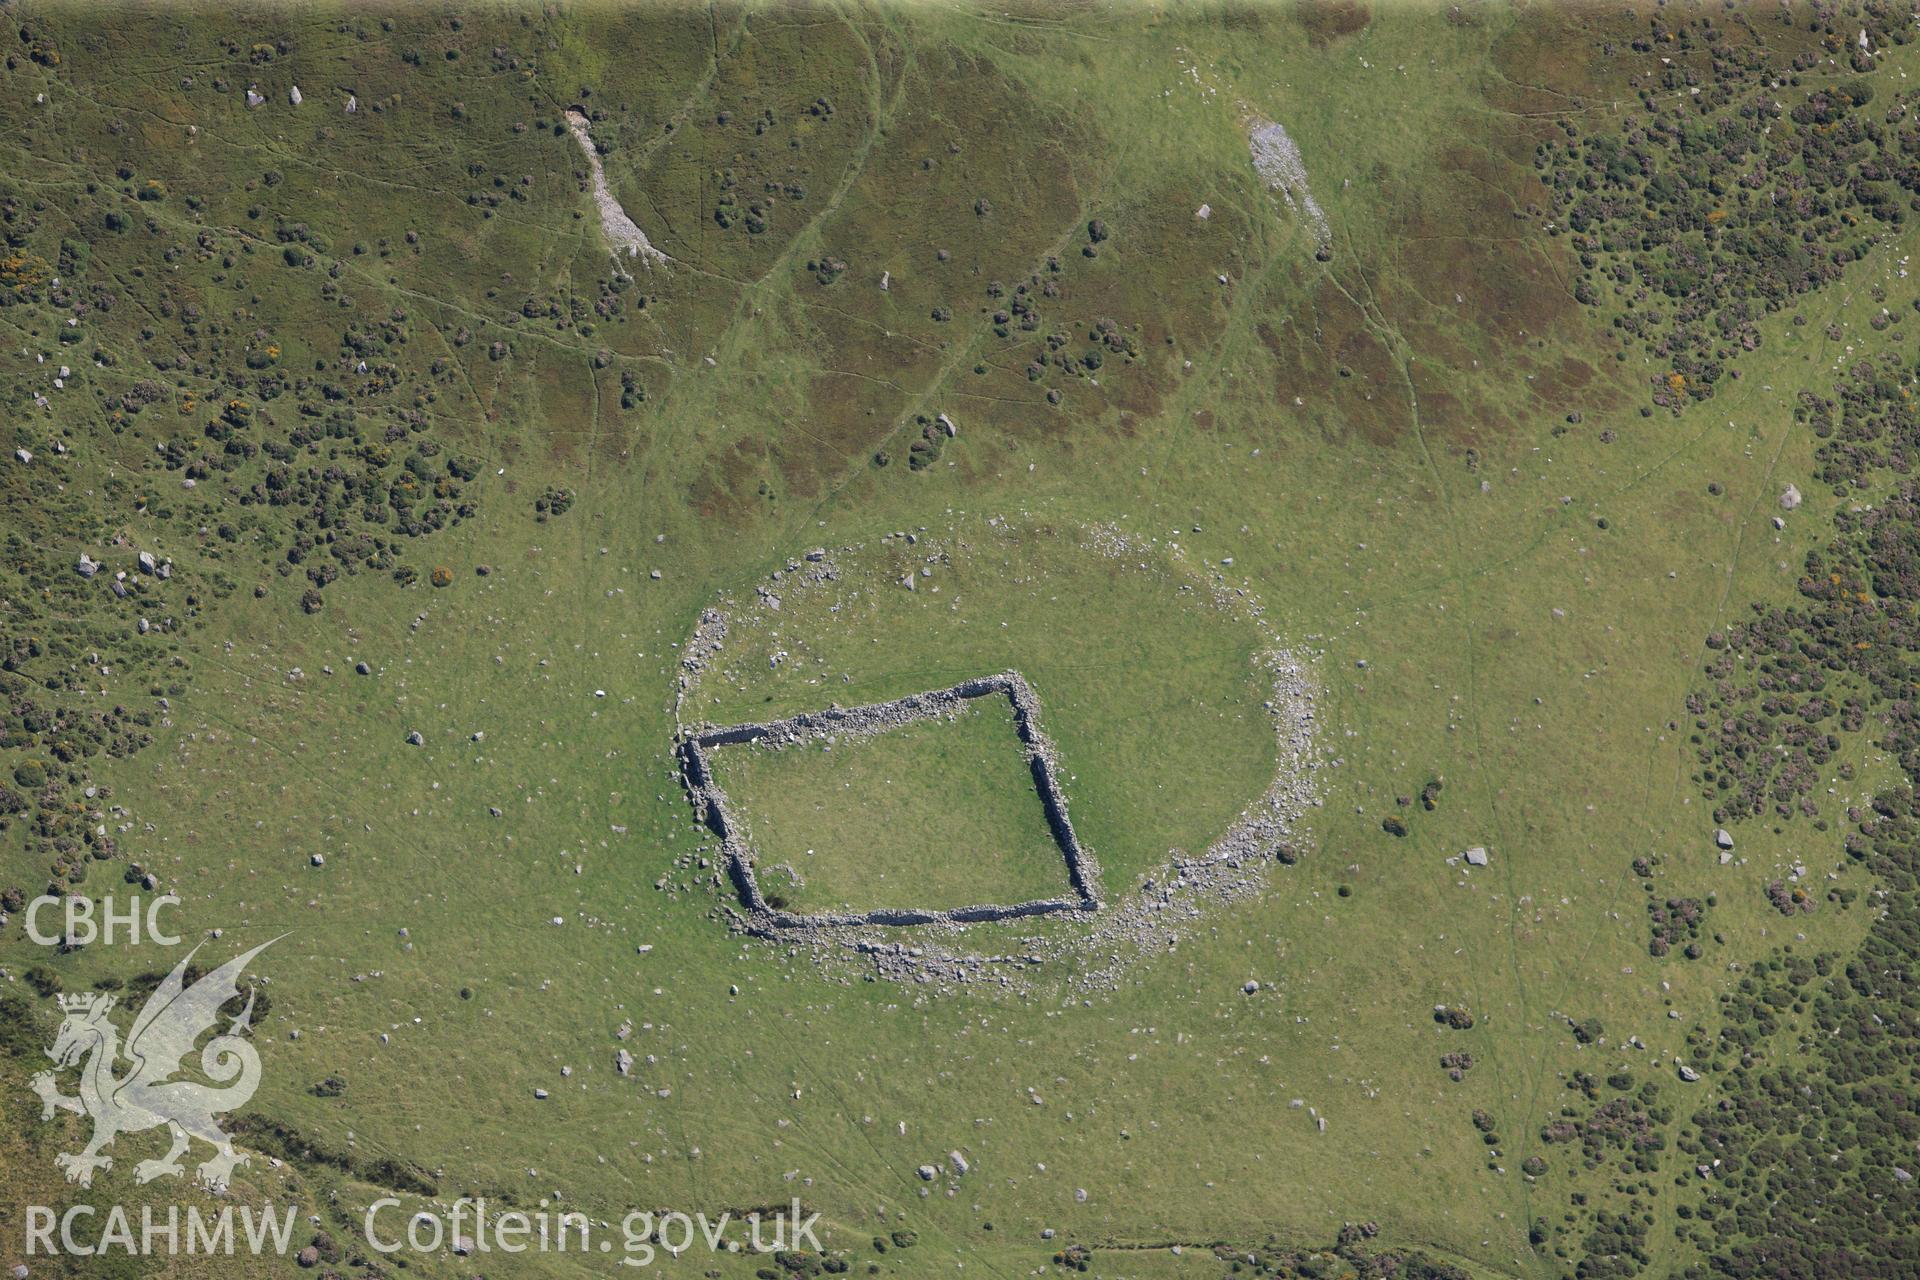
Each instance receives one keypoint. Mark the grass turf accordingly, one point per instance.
(939, 813)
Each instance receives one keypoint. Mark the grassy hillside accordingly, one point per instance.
(441, 488)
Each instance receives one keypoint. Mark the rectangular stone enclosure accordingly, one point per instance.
(713, 809)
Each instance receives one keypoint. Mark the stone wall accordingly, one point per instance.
(710, 801)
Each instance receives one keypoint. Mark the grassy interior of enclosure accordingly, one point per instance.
(938, 813)
(1151, 690)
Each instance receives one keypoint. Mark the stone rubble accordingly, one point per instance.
(621, 231)
(1276, 158)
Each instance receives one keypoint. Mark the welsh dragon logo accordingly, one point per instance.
(147, 1095)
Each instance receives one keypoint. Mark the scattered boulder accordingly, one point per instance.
(1723, 838)
(928, 1173)
(416, 739)
(1688, 1074)
(1790, 499)
(959, 1163)
(1476, 856)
